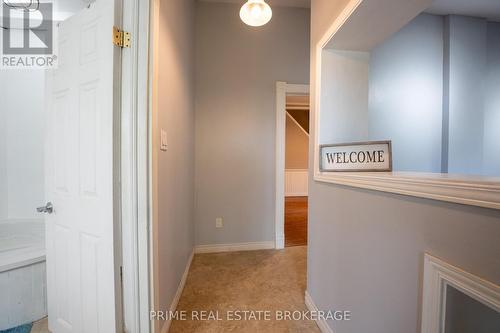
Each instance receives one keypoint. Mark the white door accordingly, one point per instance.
(81, 286)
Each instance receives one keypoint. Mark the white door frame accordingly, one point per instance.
(141, 18)
(282, 90)
(154, 43)
(135, 175)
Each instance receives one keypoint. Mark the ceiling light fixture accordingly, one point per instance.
(256, 13)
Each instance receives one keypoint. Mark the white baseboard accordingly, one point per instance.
(279, 244)
(296, 194)
(234, 247)
(322, 324)
(180, 288)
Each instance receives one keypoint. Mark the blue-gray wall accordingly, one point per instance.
(492, 103)
(237, 67)
(405, 96)
(344, 79)
(366, 252)
(467, 63)
(175, 180)
(366, 247)
(433, 90)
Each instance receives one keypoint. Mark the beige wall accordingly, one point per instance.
(237, 67)
(296, 146)
(174, 225)
(366, 248)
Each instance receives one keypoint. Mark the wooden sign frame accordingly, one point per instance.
(364, 143)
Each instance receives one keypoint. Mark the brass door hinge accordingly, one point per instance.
(121, 38)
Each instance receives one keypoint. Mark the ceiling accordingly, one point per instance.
(278, 3)
(62, 9)
(68, 6)
(373, 21)
(489, 9)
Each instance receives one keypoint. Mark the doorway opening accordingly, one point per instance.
(292, 143)
(296, 169)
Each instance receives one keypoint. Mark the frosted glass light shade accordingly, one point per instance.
(256, 13)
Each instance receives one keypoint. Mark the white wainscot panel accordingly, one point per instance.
(296, 182)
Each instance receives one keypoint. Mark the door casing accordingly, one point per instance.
(283, 89)
(135, 168)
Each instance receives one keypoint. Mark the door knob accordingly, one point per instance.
(48, 208)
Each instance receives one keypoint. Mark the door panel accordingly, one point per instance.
(79, 175)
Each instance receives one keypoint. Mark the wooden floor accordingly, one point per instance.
(41, 326)
(295, 221)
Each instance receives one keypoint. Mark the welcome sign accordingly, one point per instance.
(356, 156)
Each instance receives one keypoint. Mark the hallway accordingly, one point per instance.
(266, 280)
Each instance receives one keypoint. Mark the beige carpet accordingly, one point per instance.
(268, 280)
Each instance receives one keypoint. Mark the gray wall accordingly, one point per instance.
(492, 103)
(467, 63)
(345, 98)
(474, 83)
(176, 165)
(434, 91)
(366, 248)
(3, 160)
(237, 67)
(466, 315)
(405, 96)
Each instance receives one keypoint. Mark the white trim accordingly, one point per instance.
(476, 191)
(134, 169)
(235, 247)
(297, 123)
(154, 43)
(311, 306)
(297, 105)
(279, 215)
(302, 108)
(437, 276)
(296, 194)
(296, 89)
(144, 266)
(463, 190)
(282, 90)
(178, 293)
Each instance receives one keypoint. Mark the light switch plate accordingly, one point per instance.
(218, 222)
(163, 140)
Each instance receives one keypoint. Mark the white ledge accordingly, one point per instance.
(467, 190)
